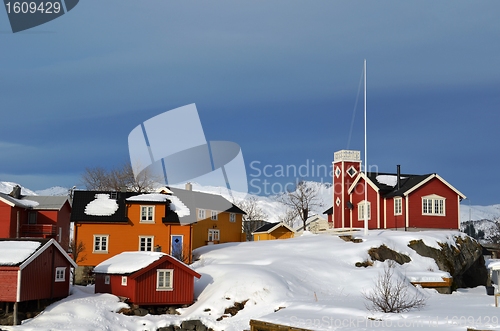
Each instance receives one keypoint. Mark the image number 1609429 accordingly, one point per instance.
(44, 7)
(25, 15)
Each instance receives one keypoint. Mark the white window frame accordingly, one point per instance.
(213, 234)
(149, 215)
(100, 249)
(361, 208)
(398, 206)
(433, 205)
(201, 214)
(165, 273)
(145, 238)
(107, 279)
(232, 217)
(214, 215)
(354, 171)
(124, 280)
(60, 274)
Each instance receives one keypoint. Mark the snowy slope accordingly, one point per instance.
(310, 282)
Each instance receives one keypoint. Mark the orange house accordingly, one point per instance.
(174, 222)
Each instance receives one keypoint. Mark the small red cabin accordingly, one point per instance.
(146, 278)
(33, 269)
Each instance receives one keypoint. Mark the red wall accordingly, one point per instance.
(38, 278)
(434, 186)
(358, 195)
(8, 284)
(394, 221)
(341, 191)
(142, 290)
(8, 220)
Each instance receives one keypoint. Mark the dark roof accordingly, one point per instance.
(266, 227)
(406, 182)
(192, 199)
(82, 198)
(329, 211)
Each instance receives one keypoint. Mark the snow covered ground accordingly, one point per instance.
(309, 282)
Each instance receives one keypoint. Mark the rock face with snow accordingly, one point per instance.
(464, 262)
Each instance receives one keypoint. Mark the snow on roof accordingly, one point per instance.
(178, 206)
(101, 206)
(150, 197)
(389, 180)
(127, 262)
(15, 252)
(175, 203)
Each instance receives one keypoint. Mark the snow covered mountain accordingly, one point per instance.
(484, 217)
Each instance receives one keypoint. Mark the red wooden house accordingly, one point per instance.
(394, 200)
(146, 278)
(35, 217)
(33, 269)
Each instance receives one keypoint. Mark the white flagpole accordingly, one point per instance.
(365, 208)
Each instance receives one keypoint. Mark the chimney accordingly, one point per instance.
(189, 186)
(399, 176)
(16, 192)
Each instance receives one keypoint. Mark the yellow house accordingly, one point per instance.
(109, 223)
(272, 231)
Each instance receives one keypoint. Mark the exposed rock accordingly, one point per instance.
(383, 253)
(235, 308)
(348, 237)
(465, 262)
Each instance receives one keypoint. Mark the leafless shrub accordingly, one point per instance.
(393, 293)
(255, 216)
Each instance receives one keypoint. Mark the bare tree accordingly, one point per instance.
(77, 248)
(394, 293)
(303, 200)
(254, 218)
(119, 178)
(289, 217)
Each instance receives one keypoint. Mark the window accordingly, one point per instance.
(214, 215)
(433, 205)
(146, 243)
(213, 235)
(398, 206)
(147, 214)
(201, 214)
(101, 243)
(352, 171)
(232, 217)
(361, 210)
(107, 279)
(32, 217)
(164, 279)
(124, 280)
(60, 274)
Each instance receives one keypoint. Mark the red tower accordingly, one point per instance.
(346, 166)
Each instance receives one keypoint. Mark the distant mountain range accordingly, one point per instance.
(483, 217)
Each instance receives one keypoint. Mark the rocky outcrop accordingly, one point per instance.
(464, 260)
(383, 253)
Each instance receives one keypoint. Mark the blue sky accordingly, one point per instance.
(280, 78)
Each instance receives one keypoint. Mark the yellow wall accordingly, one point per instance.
(229, 231)
(279, 233)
